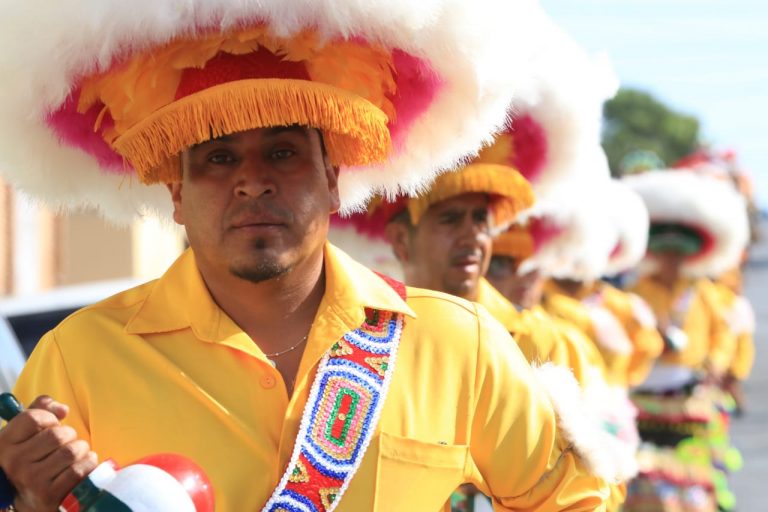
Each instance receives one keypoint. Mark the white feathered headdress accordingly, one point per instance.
(629, 217)
(99, 95)
(571, 227)
(558, 111)
(710, 207)
(554, 142)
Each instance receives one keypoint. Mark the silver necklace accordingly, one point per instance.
(270, 357)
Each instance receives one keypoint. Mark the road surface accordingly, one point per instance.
(750, 433)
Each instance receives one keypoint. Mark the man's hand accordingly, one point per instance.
(43, 459)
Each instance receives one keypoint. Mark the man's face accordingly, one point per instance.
(449, 249)
(524, 290)
(256, 203)
(669, 265)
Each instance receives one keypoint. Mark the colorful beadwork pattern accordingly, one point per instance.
(340, 417)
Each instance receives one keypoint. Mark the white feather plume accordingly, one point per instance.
(630, 218)
(586, 237)
(711, 204)
(579, 421)
(564, 95)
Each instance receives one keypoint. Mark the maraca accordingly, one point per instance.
(157, 483)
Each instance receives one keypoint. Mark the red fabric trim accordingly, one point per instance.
(226, 67)
(395, 284)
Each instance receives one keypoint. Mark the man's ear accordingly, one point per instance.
(332, 175)
(175, 190)
(398, 236)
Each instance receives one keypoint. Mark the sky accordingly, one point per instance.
(708, 58)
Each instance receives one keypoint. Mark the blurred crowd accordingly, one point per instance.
(633, 283)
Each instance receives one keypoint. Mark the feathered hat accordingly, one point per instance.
(555, 137)
(509, 193)
(570, 228)
(558, 111)
(721, 164)
(363, 234)
(695, 213)
(517, 241)
(104, 94)
(550, 139)
(629, 216)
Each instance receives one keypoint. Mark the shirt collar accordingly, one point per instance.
(352, 285)
(180, 298)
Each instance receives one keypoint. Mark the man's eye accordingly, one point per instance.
(481, 216)
(450, 218)
(282, 154)
(221, 158)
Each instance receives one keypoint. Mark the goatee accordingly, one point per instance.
(261, 270)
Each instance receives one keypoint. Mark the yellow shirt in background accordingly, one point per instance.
(638, 321)
(545, 338)
(573, 311)
(537, 339)
(694, 306)
(584, 358)
(541, 337)
(744, 357)
(740, 318)
(161, 368)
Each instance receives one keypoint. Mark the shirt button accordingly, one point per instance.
(268, 382)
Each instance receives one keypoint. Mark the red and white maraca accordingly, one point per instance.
(157, 483)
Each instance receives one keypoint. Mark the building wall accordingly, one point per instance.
(40, 251)
(33, 257)
(89, 249)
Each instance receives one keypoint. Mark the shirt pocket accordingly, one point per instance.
(416, 475)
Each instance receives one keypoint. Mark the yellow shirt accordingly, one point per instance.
(740, 318)
(573, 311)
(693, 306)
(638, 321)
(161, 368)
(541, 337)
(744, 357)
(538, 342)
(544, 338)
(583, 357)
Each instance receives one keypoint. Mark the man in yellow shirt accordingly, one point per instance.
(689, 239)
(512, 247)
(688, 242)
(550, 242)
(741, 321)
(442, 240)
(296, 378)
(578, 235)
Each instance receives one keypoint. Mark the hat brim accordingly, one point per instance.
(354, 129)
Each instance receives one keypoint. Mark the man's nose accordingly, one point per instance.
(254, 180)
(474, 230)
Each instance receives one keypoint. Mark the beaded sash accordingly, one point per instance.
(340, 417)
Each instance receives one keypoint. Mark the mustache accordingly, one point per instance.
(261, 212)
(462, 255)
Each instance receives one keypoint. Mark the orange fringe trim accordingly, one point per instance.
(354, 129)
(510, 192)
(516, 243)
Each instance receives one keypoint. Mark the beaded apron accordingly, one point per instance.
(340, 417)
